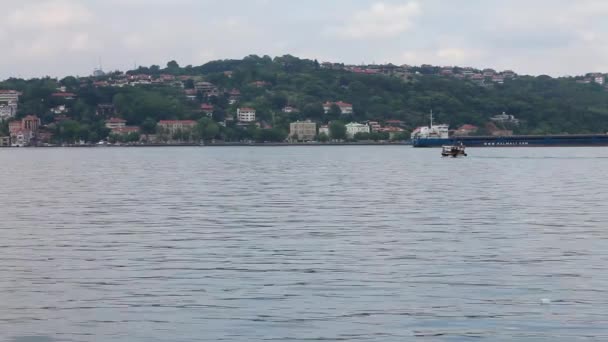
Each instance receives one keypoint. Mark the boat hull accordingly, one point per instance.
(517, 141)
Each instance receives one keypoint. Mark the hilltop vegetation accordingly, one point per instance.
(543, 104)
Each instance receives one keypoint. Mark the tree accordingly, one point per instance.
(334, 112)
(362, 136)
(323, 137)
(207, 129)
(312, 111)
(148, 126)
(189, 84)
(172, 65)
(337, 130)
(133, 137)
(271, 135)
(402, 136)
(278, 100)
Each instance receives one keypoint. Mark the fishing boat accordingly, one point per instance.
(453, 151)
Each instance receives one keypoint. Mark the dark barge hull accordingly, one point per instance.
(580, 140)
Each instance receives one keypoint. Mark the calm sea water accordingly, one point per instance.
(382, 243)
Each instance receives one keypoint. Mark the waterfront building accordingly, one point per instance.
(374, 126)
(9, 100)
(24, 131)
(245, 114)
(324, 130)
(126, 130)
(30, 123)
(173, 126)
(392, 131)
(5, 141)
(354, 128)
(303, 130)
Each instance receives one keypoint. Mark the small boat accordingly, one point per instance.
(453, 151)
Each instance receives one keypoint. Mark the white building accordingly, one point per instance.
(245, 114)
(59, 109)
(9, 100)
(505, 118)
(289, 109)
(354, 128)
(324, 130)
(599, 80)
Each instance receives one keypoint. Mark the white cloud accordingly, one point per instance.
(443, 56)
(381, 20)
(80, 42)
(48, 15)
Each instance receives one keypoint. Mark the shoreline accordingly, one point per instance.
(224, 145)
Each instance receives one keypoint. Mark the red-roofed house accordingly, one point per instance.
(14, 127)
(190, 94)
(115, 123)
(207, 109)
(126, 130)
(394, 122)
(392, 131)
(234, 96)
(345, 108)
(259, 84)
(67, 96)
(465, 130)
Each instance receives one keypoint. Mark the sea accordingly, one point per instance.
(303, 243)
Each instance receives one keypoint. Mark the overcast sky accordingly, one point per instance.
(61, 37)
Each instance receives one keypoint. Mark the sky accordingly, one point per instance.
(72, 37)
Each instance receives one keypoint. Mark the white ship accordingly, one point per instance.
(431, 132)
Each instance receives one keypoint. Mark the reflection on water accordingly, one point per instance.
(303, 243)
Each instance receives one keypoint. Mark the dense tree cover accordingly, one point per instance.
(544, 104)
(337, 130)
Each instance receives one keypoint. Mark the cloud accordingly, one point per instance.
(381, 20)
(62, 37)
(443, 56)
(48, 15)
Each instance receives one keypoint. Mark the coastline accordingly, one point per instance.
(239, 144)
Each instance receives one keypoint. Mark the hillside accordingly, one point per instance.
(378, 93)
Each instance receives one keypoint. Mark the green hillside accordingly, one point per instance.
(543, 104)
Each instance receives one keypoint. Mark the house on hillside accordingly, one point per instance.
(466, 130)
(245, 114)
(345, 108)
(64, 95)
(207, 109)
(504, 119)
(115, 123)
